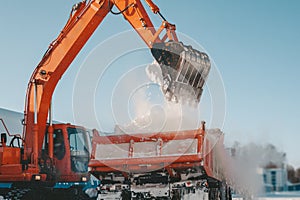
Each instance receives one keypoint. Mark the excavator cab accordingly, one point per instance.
(184, 70)
(71, 153)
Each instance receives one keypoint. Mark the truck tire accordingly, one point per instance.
(176, 195)
(214, 194)
(225, 192)
(229, 194)
(126, 195)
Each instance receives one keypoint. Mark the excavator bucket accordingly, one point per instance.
(184, 70)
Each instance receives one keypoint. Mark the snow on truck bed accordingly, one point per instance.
(146, 149)
(153, 151)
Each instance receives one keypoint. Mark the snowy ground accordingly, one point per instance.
(203, 196)
(280, 198)
(272, 198)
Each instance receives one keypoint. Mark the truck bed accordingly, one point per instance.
(140, 153)
(176, 164)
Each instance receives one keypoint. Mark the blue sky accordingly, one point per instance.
(254, 44)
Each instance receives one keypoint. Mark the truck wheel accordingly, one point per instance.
(214, 194)
(229, 194)
(225, 192)
(176, 195)
(126, 195)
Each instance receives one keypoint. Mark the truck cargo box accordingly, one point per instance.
(173, 152)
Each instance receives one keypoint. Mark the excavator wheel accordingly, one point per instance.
(184, 70)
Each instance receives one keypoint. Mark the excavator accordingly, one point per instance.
(52, 160)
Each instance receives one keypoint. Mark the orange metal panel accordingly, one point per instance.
(11, 169)
(144, 137)
(9, 155)
(20, 177)
(144, 164)
(144, 168)
(150, 160)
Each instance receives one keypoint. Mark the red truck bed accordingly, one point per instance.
(139, 153)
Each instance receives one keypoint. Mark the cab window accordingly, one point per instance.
(59, 144)
(78, 149)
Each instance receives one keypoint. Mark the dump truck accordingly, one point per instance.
(165, 165)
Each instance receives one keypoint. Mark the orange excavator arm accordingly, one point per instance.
(85, 17)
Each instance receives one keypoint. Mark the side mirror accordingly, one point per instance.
(3, 138)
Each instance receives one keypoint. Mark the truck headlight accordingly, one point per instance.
(84, 179)
(36, 177)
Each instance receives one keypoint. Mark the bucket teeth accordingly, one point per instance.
(184, 70)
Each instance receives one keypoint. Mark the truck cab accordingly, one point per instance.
(71, 153)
